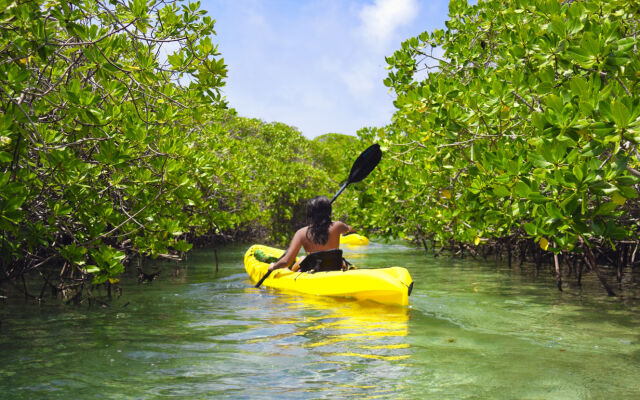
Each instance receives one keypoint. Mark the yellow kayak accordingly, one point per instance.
(383, 285)
(354, 239)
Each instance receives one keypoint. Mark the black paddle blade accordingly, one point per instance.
(365, 163)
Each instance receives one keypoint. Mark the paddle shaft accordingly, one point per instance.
(335, 196)
(265, 277)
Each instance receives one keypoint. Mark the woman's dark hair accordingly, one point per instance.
(319, 219)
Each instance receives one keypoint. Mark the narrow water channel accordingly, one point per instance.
(473, 330)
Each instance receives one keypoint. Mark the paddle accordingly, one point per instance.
(362, 167)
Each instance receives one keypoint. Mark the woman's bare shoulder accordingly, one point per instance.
(339, 226)
(301, 234)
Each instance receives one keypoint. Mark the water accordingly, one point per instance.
(473, 330)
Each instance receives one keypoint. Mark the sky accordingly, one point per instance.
(317, 65)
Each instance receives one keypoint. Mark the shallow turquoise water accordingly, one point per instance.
(473, 330)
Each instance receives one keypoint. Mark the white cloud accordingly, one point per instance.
(315, 64)
(381, 19)
(361, 66)
(362, 78)
(358, 74)
(362, 70)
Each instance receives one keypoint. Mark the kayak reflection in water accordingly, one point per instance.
(321, 234)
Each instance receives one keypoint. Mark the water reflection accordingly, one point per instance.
(341, 346)
(351, 329)
(340, 327)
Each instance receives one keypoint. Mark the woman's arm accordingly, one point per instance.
(290, 256)
(344, 229)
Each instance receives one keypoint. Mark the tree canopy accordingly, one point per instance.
(521, 116)
(520, 119)
(115, 141)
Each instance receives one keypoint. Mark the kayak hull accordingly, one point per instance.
(354, 239)
(383, 285)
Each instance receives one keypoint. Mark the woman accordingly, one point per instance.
(320, 235)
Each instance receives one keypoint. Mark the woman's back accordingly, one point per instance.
(333, 242)
(320, 235)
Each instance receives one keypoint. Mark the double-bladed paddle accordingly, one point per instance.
(362, 167)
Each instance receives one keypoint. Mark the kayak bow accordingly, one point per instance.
(354, 239)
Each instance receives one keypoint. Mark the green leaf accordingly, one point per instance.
(558, 26)
(555, 103)
(537, 198)
(615, 231)
(577, 172)
(591, 44)
(521, 189)
(539, 161)
(12, 204)
(5, 157)
(570, 204)
(531, 229)
(554, 211)
(182, 246)
(597, 227)
(62, 208)
(628, 192)
(579, 86)
(626, 44)
(93, 269)
(605, 208)
(501, 191)
(620, 114)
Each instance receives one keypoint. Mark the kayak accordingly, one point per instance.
(391, 285)
(354, 239)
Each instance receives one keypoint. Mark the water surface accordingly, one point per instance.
(473, 330)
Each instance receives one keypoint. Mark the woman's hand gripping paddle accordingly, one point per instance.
(362, 167)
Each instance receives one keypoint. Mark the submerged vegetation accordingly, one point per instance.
(516, 131)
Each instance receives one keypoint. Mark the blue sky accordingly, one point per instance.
(317, 65)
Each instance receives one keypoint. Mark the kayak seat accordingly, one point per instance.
(329, 260)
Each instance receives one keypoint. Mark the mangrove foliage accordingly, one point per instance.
(116, 143)
(520, 120)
